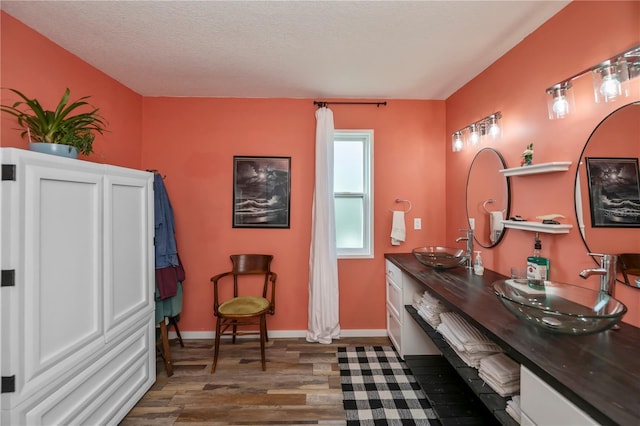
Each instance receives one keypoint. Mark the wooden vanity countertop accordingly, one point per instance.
(600, 373)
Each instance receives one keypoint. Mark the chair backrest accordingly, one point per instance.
(251, 264)
(244, 264)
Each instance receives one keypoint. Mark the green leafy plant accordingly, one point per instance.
(58, 126)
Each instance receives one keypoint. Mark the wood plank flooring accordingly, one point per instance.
(300, 387)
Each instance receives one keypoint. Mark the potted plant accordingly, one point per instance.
(58, 127)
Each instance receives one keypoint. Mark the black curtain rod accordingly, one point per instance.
(322, 104)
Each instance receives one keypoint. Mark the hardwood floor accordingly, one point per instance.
(300, 387)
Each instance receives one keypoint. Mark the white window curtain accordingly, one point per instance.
(324, 322)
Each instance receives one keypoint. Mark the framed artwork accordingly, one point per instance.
(261, 192)
(614, 192)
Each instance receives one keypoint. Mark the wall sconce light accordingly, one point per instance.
(610, 82)
(488, 127)
(457, 143)
(495, 129)
(474, 135)
(560, 100)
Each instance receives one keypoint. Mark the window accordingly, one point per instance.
(352, 192)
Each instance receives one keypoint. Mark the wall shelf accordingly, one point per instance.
(538, 227)
(556, 166)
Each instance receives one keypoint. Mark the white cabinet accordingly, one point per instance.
(405, 334)
(543, 405)
(77, 314)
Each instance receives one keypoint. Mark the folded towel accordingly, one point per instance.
(495, 225)
(502, 368)
(398, 231)
(471, 339)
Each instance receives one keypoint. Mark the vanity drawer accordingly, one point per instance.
(394, 297)
(394, 273)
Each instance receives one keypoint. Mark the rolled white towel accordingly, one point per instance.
(495, 225)
(398, 230)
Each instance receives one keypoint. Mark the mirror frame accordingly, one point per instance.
(508, 194)
(575, 184)
(580, 159)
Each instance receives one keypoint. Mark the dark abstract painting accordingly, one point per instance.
(614, 192)
(261, 192)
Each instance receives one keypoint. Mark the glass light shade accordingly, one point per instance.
(494, 130)
(474, 135)
(609, 81)
(457, 143)
(560, 101)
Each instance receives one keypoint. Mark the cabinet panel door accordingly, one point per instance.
(394, 297)
(128, 249)
(545, 406)
(60, 308)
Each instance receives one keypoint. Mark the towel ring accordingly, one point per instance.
(484, 205)
(399, 200)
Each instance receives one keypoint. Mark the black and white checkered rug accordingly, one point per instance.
(378, 389)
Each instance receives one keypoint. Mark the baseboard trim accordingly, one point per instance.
(280, 334)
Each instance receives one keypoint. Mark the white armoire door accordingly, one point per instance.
(77, 321)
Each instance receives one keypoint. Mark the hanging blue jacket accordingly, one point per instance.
(165, 241)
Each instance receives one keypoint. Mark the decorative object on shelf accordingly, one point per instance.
(614, 192)
(45, 128)
(610, 82)
(261, 192)
(527, 156)
(550, 219)
(486, 128)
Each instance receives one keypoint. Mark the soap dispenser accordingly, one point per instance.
(478, 267)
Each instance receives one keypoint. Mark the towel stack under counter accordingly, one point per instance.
(429, 308)
(495, 368)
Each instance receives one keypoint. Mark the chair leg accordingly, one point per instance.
(263, 336)
(235, 331)
(166, 351)
(216, 349)
(174, 323)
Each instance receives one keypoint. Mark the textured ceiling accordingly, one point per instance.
(288, 49)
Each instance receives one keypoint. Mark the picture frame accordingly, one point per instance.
(614, 192)
(261, 192)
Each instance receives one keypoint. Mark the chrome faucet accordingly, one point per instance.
(607, 271)
(469, 239)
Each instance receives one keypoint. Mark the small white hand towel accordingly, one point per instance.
(495, 225)
(398, 231)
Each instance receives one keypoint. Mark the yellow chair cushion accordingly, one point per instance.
(244, 305)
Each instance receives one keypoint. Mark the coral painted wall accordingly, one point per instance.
(41, 69)
(581, 35)
(193, 140)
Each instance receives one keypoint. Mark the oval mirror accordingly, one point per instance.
(488, 196)
(607, 187)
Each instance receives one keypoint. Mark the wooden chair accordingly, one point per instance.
(629, 263)
(242, 308)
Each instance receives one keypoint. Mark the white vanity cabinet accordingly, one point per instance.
(405, 334)
(77, 309)
(543, 405)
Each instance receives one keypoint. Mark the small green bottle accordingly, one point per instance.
(537, 266)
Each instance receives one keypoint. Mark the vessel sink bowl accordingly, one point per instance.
(440, 257)
(558, 307)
